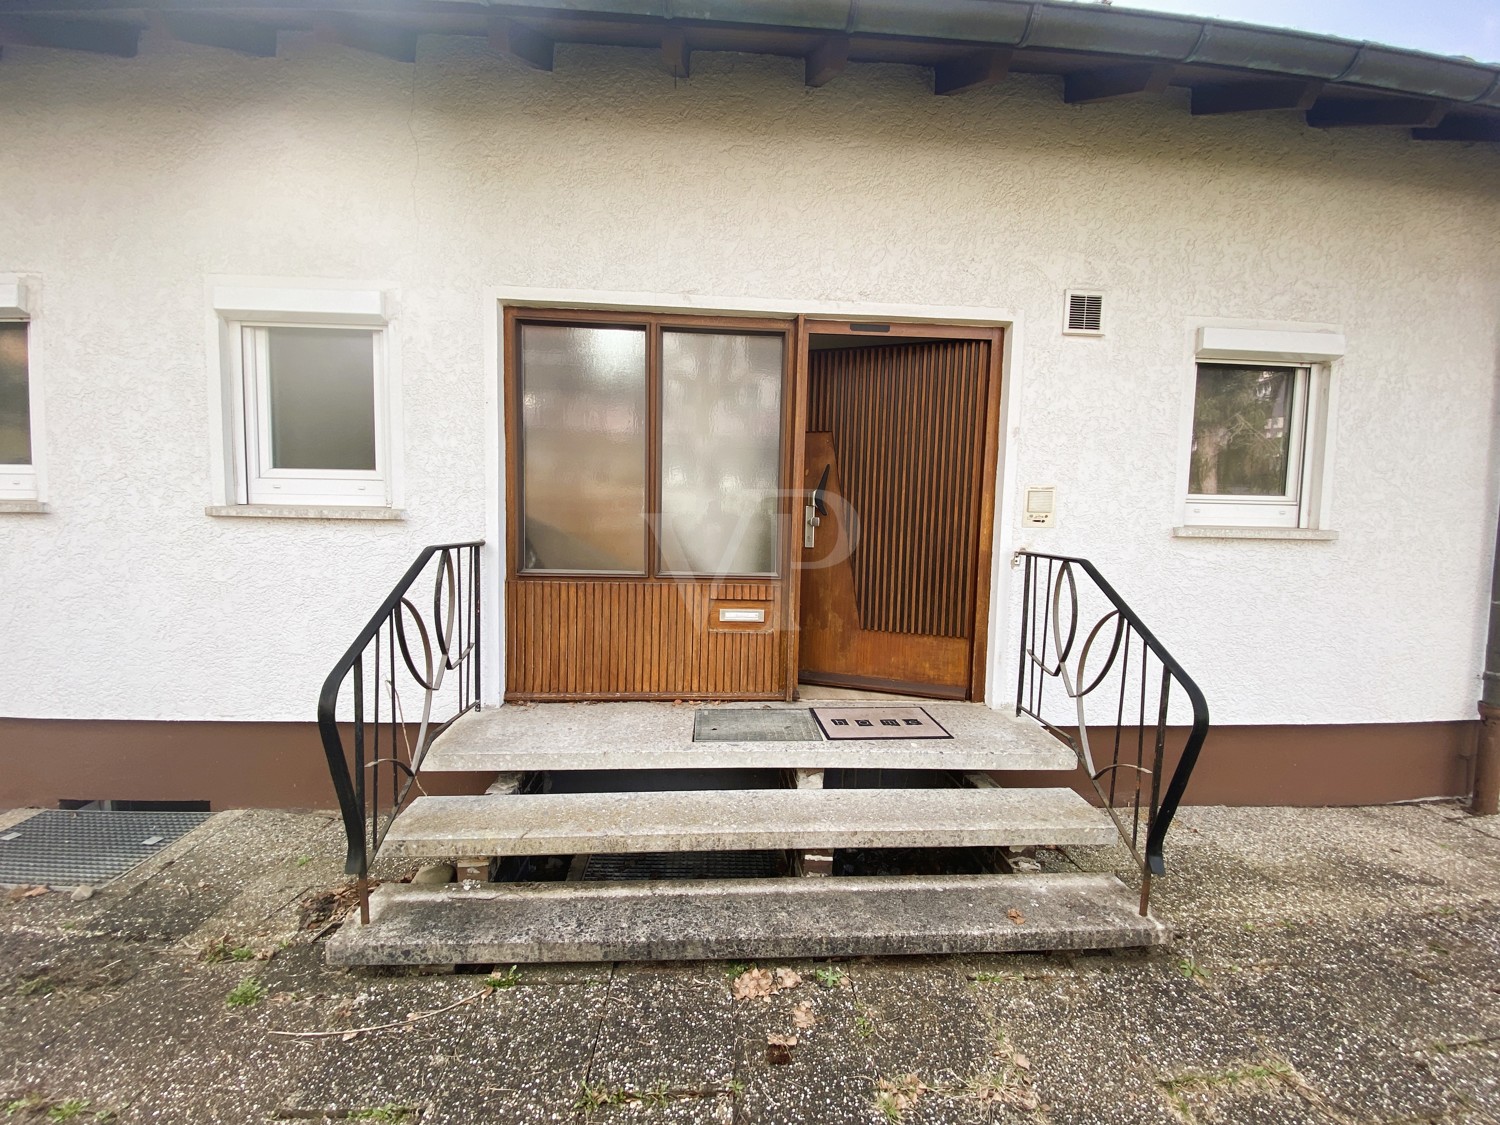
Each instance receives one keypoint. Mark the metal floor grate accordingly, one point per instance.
(684, 865)
(60, 848)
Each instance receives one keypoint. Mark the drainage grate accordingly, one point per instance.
(754, 724)
(63, 849)
(685, 865)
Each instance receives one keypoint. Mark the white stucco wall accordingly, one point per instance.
(128, 184)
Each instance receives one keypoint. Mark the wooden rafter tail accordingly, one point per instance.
(676, 53)
(203, 29)
(983, 68)
(1414, 113)
(826, 61)
(1084, 86)
(1254, 96)
(103, 37)
(395, 43)
(521, 43)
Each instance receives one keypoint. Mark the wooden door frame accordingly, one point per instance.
(513, 315)
(989, 436)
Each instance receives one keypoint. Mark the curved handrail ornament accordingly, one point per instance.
(447, 643)
(1051, 596)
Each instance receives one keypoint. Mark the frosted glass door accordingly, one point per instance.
(720, 452)
(583, 445)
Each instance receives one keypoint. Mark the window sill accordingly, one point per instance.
(299, 512)
(1206, 532)
(17, 507)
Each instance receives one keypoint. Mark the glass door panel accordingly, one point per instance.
(720, 452)
(583, 433)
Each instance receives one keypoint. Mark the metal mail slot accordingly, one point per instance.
(756, 615)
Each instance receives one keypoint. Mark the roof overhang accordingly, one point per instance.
(1098, 51)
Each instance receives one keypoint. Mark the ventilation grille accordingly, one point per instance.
(66, 849)
(1085, 313)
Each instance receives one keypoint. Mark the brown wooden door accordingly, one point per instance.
(895, 436)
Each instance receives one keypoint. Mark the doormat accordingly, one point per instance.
(754, 724)
(59, 848)
(878, 722)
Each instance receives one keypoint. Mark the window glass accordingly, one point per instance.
(720, 452)
(322, 398)
(1242, 431)
(583, 447)
(15, 399)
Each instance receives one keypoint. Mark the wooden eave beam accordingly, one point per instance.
(983, 68)
(1455, 128)
(527, 47)
(397, 43)
(1252, 96)
(206, 30)
(826, 61)
(1416, 113)
(1086, 86)
(99, 36)
(676, 55)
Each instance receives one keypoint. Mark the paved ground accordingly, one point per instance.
(1331, 966)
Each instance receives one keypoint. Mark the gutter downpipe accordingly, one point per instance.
(1485, 800)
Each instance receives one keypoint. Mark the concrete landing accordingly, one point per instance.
(743, 820)
(742, 919)
(652, 736)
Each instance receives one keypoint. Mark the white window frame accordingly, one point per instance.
(17, 305)
(243, 314)
(1311, 354)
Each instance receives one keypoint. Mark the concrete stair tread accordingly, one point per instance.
(743, 820)
(528, 923)
(614, 736)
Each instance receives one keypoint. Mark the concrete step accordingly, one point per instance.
(743, 820)
(742, 919)
(659, 736)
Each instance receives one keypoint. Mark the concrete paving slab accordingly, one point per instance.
(1082, 1069)
(664, 1028)
(742, 820)
(520, 1054)
(827, 1076)
(941, 1031)
(609, 736)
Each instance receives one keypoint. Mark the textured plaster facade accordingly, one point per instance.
(131, 185)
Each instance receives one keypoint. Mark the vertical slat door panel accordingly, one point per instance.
(902, 423)
(888, 592)
(622, 638)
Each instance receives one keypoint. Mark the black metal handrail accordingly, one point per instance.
(1118, 627)
(451, 645)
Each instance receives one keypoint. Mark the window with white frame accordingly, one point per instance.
(1258, 437)
(311, 397)
(17, 455)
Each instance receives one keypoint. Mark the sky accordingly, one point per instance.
(1445, 27)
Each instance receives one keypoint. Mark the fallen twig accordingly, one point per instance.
(354, 1032)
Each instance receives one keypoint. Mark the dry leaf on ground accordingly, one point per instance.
(802, 1015)
(901, 1094)
(26, 892)
(759, 984)
(1015, 916)
(753, 984)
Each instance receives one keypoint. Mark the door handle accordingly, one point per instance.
(817, 493)
(814, 510)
